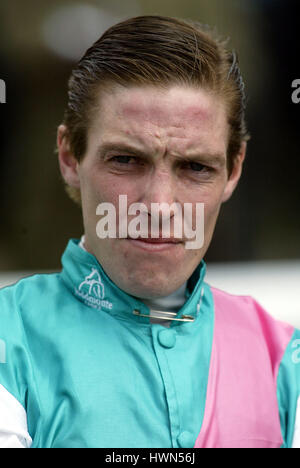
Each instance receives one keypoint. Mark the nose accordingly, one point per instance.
(159, 196)
(159, 189)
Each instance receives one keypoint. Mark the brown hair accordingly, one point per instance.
(161, 51)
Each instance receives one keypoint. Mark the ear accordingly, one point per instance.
(67, 162)
(235, 173)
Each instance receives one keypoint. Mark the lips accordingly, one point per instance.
(158, 240)
(155, 245)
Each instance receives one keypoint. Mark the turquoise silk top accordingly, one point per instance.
(81, 365)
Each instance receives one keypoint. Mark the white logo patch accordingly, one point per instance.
(92, 291)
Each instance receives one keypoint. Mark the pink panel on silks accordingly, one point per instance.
(241, 405)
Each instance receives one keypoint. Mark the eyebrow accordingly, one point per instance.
(212, 158)
(121, 147)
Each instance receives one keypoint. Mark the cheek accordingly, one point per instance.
(106, 188)
(98, 187)
(212, 205)
(211, 212)
(210, 196)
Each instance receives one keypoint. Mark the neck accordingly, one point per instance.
(171, 303)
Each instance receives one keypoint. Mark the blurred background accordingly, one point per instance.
(256, 247)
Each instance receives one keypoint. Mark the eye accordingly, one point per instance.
(195, 166)
(123, 159)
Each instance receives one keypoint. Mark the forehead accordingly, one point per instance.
(179, 117)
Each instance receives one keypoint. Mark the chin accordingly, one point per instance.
(151, 289)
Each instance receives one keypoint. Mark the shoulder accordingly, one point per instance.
(22, 300)
(21, 303)
(244, 317)
(247, 308)
(30, 287)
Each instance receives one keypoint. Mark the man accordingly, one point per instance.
(128, 346)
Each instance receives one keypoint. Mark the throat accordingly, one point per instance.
(159, 307)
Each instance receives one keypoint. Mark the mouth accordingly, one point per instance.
(158, 240)
(155, 244)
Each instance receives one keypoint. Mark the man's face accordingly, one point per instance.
(154, 146)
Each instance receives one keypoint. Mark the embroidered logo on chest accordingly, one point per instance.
(92, 291)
